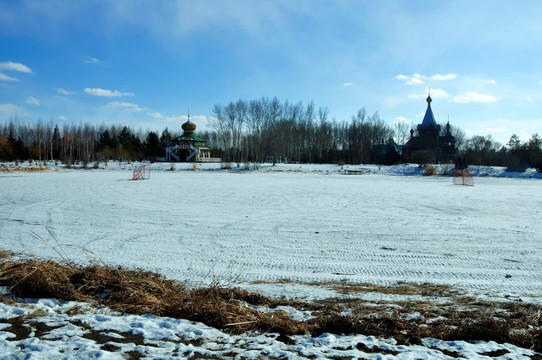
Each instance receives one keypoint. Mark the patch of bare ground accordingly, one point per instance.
(453, 317)
(5, 168)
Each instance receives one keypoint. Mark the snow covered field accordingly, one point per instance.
(263, 226)
(302, 223)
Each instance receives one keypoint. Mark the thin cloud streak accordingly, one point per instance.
(130, 107)
(4, 77)
(13, 66)
(418, 79)
(33, 101)
(65, 92)
(9, 109)
(91, 60)
(473, 97)
(106, 93)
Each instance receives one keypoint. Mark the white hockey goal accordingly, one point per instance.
(462, 177)
(142, 172)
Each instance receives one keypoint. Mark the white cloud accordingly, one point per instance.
(13, 66)
(91, 60)
(32, 101)
(62, 118)
(9, 109)
(473, 97)
(348, 84)
(4, 77)
(106, 93)
(177, 118)
(130, 107)
(65, 92)
(418, 79)
(440, 77)
(401, 120)
(503, 121)
(439, 93)
(415, 80)
(528, 99)
(155, 114)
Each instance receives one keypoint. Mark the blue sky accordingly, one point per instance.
(145, 63)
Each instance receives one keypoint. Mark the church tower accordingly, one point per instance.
(429, 130)
(429, 139)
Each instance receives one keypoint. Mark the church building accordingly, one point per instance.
(188, 147)
(430, 138)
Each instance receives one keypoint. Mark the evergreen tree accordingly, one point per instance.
(151, 146)
(165, 138)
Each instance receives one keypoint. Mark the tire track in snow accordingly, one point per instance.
(303, 227)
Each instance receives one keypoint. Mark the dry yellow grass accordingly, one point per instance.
(234, 310)
(5, 168)
(140, 292)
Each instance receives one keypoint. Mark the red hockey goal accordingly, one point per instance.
(142, 172)
(462, 177)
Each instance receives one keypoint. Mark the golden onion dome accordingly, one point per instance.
(189, 127)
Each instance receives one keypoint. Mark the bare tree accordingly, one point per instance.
(402, 132)
(219, 123)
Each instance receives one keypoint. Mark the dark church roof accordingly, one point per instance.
(448, 137)
(429, 138)
(429, 118)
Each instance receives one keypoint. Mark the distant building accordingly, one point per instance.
(390, 152)
(428, 138)
(189, 147)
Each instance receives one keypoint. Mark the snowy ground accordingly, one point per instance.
(254, 228)
(49, 329)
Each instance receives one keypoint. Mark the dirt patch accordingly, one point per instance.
(18, 328)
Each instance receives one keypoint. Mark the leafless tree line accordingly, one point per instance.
(270, 130)
(259, 130)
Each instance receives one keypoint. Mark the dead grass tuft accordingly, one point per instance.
(429, 170)
(234, 310)
(5, 254)
(5, 168)
(353, 172)
(401, 288)
(142, 292)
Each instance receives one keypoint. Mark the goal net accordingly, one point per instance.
(462, 177)
(142, 172)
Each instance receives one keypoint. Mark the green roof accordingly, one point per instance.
(190, 137)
